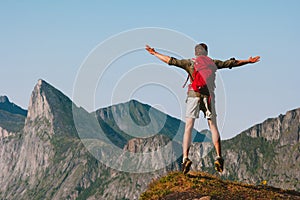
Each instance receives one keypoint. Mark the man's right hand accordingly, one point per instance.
(162, 57)
(150, 50)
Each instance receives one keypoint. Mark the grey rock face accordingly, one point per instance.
(47, 160)
(274, 129)
(267, 151)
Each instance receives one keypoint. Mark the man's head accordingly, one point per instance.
(201, 50)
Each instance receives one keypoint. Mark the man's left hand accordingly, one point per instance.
(254, 60)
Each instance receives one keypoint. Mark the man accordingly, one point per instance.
(201, 98)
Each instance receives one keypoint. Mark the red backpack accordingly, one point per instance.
(204, 73)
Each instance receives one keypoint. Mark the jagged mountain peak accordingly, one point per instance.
(49, 90)
(38, 105)
(48, 103)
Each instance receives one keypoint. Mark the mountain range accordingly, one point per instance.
(57, 150)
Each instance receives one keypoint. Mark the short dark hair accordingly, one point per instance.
(201, 49)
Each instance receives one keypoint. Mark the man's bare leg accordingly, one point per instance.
(219, 161)
(189, 124)
(212, 123)
(186, 163)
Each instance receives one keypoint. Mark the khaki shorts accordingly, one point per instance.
(195, 104)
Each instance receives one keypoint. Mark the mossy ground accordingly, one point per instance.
(195, 185)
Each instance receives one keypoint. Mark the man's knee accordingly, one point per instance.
(189, 123)
(212, 122)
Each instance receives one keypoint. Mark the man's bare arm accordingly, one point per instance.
(160, 56)
(250, 60)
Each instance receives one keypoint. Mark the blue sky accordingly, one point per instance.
(51, 40)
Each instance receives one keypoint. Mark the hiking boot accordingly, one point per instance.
(219, 163)
(186, 165)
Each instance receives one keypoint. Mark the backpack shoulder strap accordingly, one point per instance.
(187, 79)
(188, 76)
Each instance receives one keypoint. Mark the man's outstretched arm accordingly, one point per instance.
(160, 56)
(250, 60)
(235, 63)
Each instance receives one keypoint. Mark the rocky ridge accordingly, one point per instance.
(269, 151)
(47, 159)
